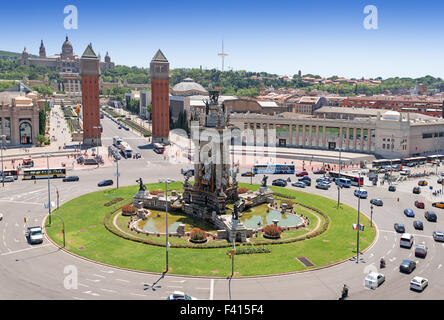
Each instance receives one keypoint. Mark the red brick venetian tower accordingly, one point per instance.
(90, 73)
(160, 99)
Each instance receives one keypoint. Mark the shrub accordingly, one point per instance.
(128, 209)
(198, 234)
(156, 192)
(272, 230)
(281, 195)
(251, 250)
(114, 201)
(242, 190)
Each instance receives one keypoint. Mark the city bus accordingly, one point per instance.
(434, 158)
(354, 180)
(9, 173)
(273, 169)
(158, 148)
(44, 173)
(413, 161)
(385, 162)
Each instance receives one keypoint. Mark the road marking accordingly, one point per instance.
(98, 275)
(414, 234)
(388, 252)
(93, 280)
(211, 289)
(122, 280)
(393, 245)
(439, 267)
(12, 252)
(83, 285)
(110, 271)
(15, 240)
(179, 281)
(410, 254)
(110, 291)
(393, 259)
(174, 286)
(92, 293)
(202, 288)
(395, 268)
(78, 298)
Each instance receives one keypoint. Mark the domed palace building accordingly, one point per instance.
(66, 63)
(188, 88)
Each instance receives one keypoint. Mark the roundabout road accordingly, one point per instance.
(40, 272)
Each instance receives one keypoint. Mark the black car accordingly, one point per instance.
(71, 178)
(307, 182)
(320, 171)
(407, 266)
(418, 225)
(399, 227)
(307, 178)
(377, 202)
(430, 216)
(279, 183)
(417, 190)
(90, 162)
(104, 183)
(392, 188)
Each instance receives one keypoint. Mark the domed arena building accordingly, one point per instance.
(188, 88)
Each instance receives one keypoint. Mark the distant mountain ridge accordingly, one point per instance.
(13, 55)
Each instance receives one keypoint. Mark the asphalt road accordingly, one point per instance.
(41, 271)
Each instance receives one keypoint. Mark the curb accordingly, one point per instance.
(209, 277)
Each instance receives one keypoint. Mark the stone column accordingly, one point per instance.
(324, 136)
(254, 132)
(369, 140)
(303, 135)
(310, 139)
(341, 138)
(291, 134)
(362, 139)
(347, 138)
(354, 139)
(297, 135)
(2, 127)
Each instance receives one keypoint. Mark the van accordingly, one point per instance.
(361, 193)
(343, 182)
(406, 240)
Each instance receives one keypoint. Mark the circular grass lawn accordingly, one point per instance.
(87, 236)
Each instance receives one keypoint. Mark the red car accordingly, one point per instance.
(301, 173)
(419, 204)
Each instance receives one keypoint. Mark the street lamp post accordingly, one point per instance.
(49, 187)
(358, 226)
(371, 216)
(167, 244)
(339, 187)
(3, 137)
(117, 171)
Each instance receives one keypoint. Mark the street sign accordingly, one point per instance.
(117, 174)
(52, 204)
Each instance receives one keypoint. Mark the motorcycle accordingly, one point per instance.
(382, 264)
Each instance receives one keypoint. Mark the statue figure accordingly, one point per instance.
(141, 185)
(264, 181)
(235, 215)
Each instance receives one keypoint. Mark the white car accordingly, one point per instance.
(179, 295)
(1, 216)
(419, 283)
(361, 193)
(374, 280)
(35, 235)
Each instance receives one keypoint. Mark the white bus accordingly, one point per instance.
(126, 150)
(44, 173)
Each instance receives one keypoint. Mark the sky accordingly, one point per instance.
(321, 37)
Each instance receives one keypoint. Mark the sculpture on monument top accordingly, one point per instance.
(141, 185)
(235, 215)
(264, 181)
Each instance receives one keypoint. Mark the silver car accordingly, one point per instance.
(438, 236)
(374, 279)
